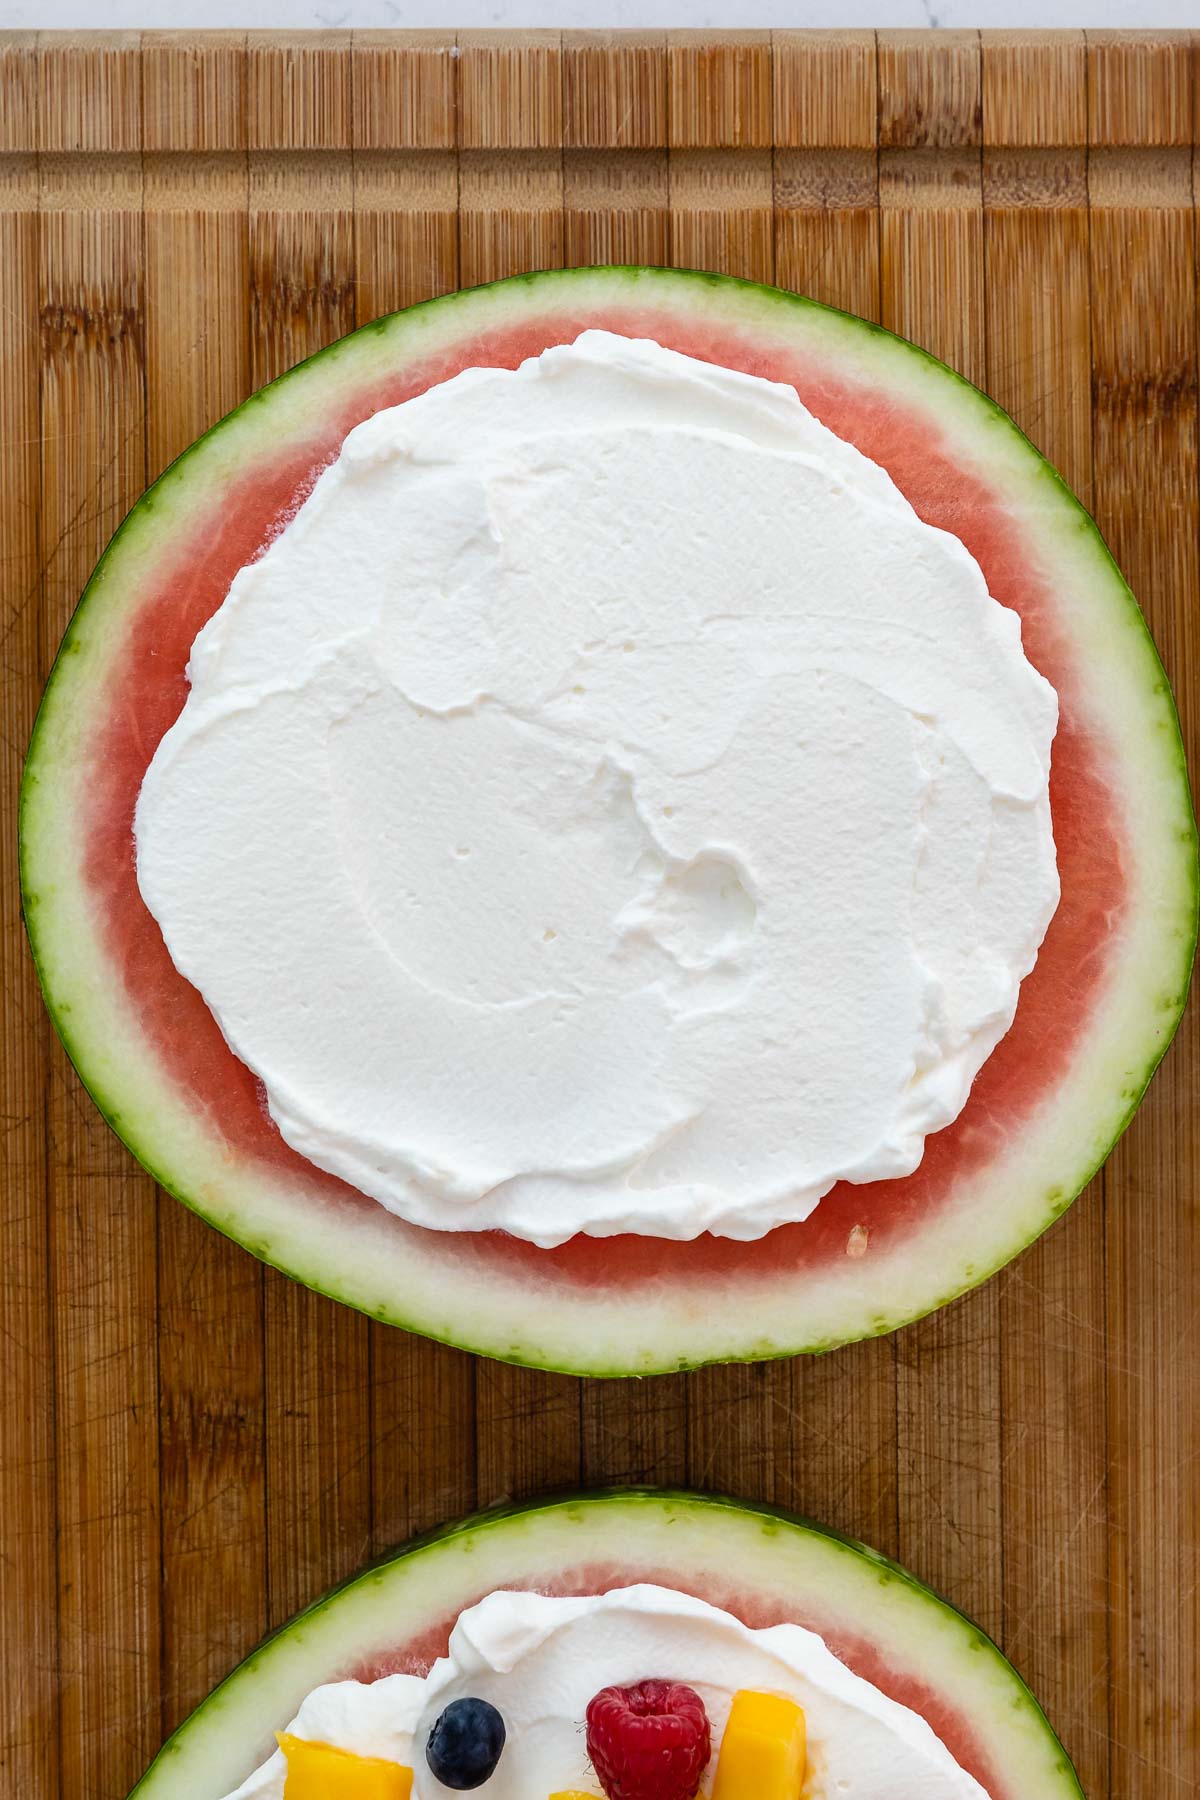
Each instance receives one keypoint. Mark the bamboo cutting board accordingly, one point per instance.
(190, 1446)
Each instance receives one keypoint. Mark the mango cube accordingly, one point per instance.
(322, 1772)
(763, 1750)
(572, 1794)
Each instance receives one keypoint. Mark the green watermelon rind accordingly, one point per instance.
(715, 1541)
(1061, 1148)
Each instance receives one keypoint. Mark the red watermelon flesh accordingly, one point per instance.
(912, 427)
(760, 1565)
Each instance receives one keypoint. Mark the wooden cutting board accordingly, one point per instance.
(190, 1446)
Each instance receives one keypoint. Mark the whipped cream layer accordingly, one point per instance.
(606, 807)
(540, 1660)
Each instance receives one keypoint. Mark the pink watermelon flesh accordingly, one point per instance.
(764, 1567)
(142, 687)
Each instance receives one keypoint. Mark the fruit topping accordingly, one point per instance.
(649, 1742)
(763, 1750)
(323, 1772)
(465, 1743)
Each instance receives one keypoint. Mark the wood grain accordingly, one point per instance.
(1034, 89)
(102, 1208)
(1140, 87)
(827, 226)
(1143, 292)
(825, 91)
(528, 1432)
(192, 1447)
(616, 207)
(841, 1452)
(28, 1571)
(738, 1430)
(615, 87)
(930, 90)
(635, 1434)
(404, 90)
(719, 89)
(721, 215)
(510, 215)
(298, 90)
(510, 90)
(1038, 347)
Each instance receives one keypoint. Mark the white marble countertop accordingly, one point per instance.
(588, 14)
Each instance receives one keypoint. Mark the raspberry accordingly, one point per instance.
(649, 1742)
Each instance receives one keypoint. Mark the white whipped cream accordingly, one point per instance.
(539, 1661)
(606, 807)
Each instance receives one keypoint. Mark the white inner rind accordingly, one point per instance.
(539, 1660)
(606, 807)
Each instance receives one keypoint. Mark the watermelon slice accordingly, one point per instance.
(763, 1566)
(1095, 1015)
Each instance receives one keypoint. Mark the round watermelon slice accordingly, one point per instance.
(1095, 1015)
(761, 1565)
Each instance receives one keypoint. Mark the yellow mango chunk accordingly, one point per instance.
(322, 1772)
(572, 1794)
(763, 1750)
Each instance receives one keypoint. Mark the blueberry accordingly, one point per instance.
(465, 1744)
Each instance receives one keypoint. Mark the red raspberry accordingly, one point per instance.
(649, 1742)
